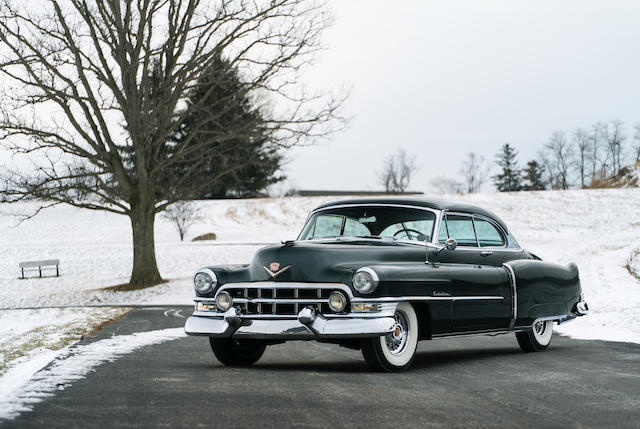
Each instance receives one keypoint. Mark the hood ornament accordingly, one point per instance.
(274, 269)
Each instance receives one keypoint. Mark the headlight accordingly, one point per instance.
(224, 301)
(365, 280)
(337, 301)
(204, 281)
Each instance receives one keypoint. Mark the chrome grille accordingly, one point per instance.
(281, 301)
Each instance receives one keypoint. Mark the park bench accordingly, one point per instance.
(38, 266)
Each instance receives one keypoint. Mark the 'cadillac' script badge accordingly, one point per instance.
(274, 269)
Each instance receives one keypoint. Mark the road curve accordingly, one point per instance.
(479, 382)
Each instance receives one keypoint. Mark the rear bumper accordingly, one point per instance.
(581, 308)
(307, 325)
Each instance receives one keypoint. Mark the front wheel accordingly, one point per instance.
(536, 339)
(234, 352)
(394, 351)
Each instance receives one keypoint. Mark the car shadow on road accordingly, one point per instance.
(433, 359)
(424, 360)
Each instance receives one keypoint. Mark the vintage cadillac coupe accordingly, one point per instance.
(379, 275)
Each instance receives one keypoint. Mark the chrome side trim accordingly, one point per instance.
(514, 295)
(426, 298)
(474, 333)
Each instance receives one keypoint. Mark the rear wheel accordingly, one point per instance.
(234, 352)
(536, 339)
(396, 350)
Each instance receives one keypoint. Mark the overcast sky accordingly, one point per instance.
(444, 78)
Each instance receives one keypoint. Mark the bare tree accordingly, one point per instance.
(597, 136)
(548, 169)
(445, 185)
(93, 91)
(615, 139)
(582, 144)
(475, 171)
(183, 214)
(636, 142)
(397, 172)
(558, 159)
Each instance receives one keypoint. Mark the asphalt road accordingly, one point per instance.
(473, 382)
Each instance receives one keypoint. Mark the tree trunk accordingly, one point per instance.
(145, 268)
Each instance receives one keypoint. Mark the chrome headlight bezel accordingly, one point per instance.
(210, 285)
(372, 280)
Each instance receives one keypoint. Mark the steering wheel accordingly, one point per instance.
(407, 231)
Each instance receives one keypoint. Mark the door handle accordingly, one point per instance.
(486, 253)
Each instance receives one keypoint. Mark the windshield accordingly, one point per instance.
(370, 221)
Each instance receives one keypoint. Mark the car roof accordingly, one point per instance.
(419, 202)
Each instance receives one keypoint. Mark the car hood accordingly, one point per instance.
(321, 262)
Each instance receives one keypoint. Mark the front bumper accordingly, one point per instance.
(307, 325)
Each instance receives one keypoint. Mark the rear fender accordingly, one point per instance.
(543, 289)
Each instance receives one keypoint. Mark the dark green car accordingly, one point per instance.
(380, 274)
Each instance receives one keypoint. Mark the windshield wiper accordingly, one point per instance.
(376, 237)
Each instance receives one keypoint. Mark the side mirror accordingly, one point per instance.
(450, 244)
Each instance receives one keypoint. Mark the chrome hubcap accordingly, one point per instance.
(540, 328)
(397, 339)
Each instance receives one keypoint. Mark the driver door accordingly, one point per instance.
(481, 290)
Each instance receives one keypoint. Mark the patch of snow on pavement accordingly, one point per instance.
(28, 383)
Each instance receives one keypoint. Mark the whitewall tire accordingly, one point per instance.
(536, 339)
(396, 350)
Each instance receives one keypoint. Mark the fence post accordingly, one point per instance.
(57, 271)
(40, 270)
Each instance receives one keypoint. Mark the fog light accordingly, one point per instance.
(337, 301)
(224, 301)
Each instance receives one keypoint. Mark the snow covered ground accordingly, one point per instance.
(24, 385)
(597, 229)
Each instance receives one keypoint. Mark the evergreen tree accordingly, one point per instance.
(533, 176)
(245, 162)
(509, 179)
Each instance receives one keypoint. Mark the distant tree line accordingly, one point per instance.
(588, 157)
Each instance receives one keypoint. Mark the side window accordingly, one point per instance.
(461, 228)
(488, 235)
(419, 230)
(353, 227)
(327, 226)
